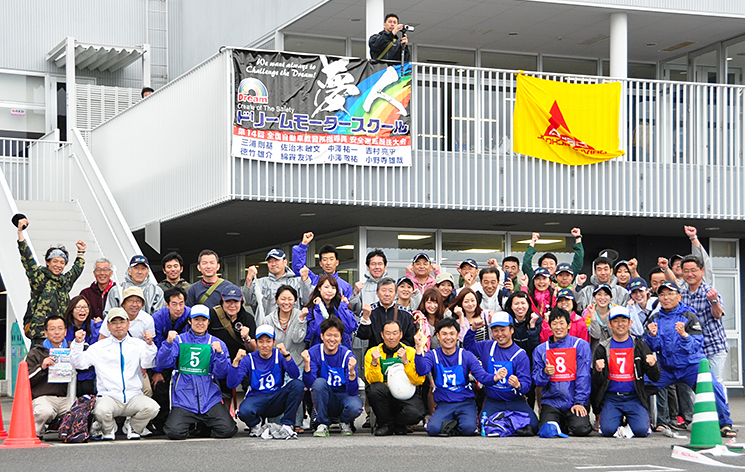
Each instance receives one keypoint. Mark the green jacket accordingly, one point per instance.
(50, 293)
(577, 262)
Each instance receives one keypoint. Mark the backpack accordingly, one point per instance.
(74, 427)
(505, 423)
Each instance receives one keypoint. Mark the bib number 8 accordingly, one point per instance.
(561, 366)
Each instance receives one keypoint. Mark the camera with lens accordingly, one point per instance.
(408, 28)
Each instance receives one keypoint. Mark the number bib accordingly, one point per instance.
(267, 381)
(335, 376)
(565, 362)
(621, 365)
(493, 365)
(385, 363)
(450, 378)
(194, 359)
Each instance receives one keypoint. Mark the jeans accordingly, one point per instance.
(464, 412)
(716, 365)
(615, 407)
(284, 401)
(689, 375)
(330, 402)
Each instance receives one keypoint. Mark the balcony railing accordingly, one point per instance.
(683, 144)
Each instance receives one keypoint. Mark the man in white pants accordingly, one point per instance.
(118, 361)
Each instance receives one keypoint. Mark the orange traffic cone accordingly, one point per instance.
(22, 426)
(3, 433)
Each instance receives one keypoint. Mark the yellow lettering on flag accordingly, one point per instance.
(573, 124)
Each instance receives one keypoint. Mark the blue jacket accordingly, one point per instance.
(428, 363)
(676, 353)
(244, 370)
(195, 393)
(564, 395)
(299, 256)
(163, 324)
(520, 366)
(90, 373)
(340, 360)
(315, 318)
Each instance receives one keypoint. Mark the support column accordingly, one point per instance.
(146, 61)
(619, 45)
(374, 17)
(279, 41)
(70, 87)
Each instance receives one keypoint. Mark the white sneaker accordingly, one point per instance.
(290, 431)
(346, 429)
(322, 431)
(109, 437)
(146, 432)
(132, 435)
(306, 423)
(126, 427)
(256, 431)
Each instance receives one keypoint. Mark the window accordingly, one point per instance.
(461, 57)
(560, 246)
(566, 65)
(481, 247)
(314, 45)
(22, 106)
(402, 245)
(725, 261)
(500, 60)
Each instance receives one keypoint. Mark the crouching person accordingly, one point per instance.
(330, 371)
(619, 366)
(118, 361)
(450, 367)
(49, 399)
(198, 360)
(266, 396)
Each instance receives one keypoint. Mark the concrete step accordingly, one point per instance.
(50, 211)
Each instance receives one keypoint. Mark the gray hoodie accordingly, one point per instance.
(153, 295)
(368, 295)
(293, 338)
(268, 287)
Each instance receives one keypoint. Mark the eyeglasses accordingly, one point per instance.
(101, 271)
(54, 329)
(82, 307)
(667, 294)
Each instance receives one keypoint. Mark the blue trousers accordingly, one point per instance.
(282, 402)
(689, 375)
(492, 406)
(332, 403)
(464, 412)
(615, 407)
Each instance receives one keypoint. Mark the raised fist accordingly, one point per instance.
(366, 311)
(217, 347)
(524, 280)
(303, 314)
(81, 245)
(375, 354)
(492, 263)
(147, 336)
(22, 224)
(251, 274)
(458, 311)
(402, 355)
(351, 365)
(652, 328)
(240, 354)
(690, 231)
(662, 263)
(306, 356)
(600, 364)
(358, 287)
(581, 279)
(535, 237)
(477, 323)
(576, 232)
(304, 271)
(651, 359)
(282, 349)
(79, 336)
(307, 238)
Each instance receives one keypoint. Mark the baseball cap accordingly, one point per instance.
(675, 257)
(600, 287)
(275, 254)
(419, 256)
(116, 312)
(264, 330)
(564, 267)
(129, 291)
(500, 318)
(551, 429)
(541, 271)
(470, 262)
(668, 285)
(199, 310)
(139, 259)
(617, 311)
(620, 263)
(404, 279)
(443, 277)
(231, 292)
(566, 293)
(637, 283)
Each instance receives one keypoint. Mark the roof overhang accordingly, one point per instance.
(100, 57)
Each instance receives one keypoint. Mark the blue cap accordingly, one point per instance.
(404, 279)
(138, 259)
(199, 310)
(419, 256)
(621, 263)
(551, 429)
(600, 287)
(500, 318)
(470, 262)
(637, 283)
(264, 330)
(231, 292)
(617, 311)
(542, 271)
(275, 254)
(668, 285)
(564, 267)
(567, 293)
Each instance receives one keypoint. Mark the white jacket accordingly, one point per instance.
(118, 364)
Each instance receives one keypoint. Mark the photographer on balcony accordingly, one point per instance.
(386, 45)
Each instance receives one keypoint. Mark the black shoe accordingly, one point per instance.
(366, 424)
(383, 430)
(400, 430)
(680, 426)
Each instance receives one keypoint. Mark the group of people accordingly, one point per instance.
(503, 353)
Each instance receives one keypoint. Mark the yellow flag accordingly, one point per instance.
(573, 124)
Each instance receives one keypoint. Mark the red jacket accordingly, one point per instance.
(578, 328)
